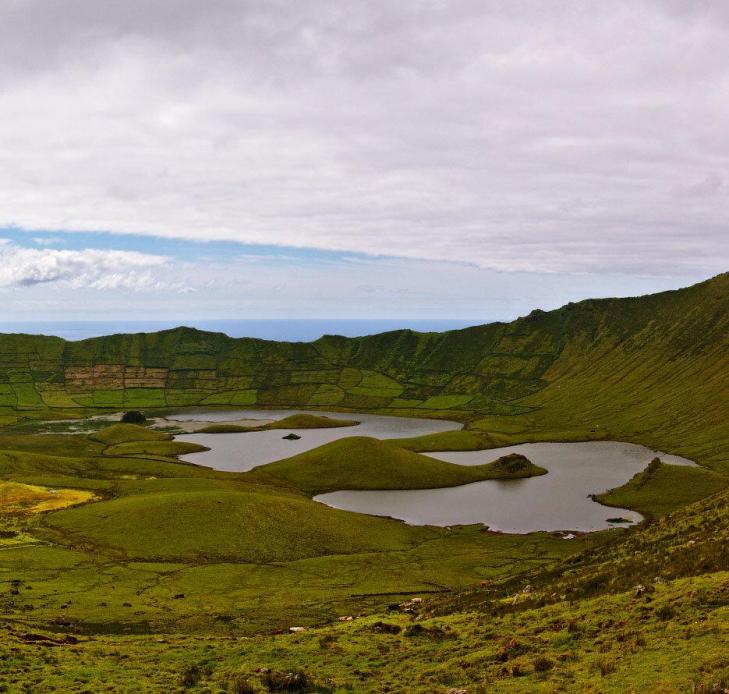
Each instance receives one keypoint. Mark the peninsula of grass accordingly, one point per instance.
(123, 433)
(294, 421)
(661, 489)
(135, 440)
(163, 448)
(360, 462)
(225, 428)
(310, 421)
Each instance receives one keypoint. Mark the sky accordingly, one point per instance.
(165, 159)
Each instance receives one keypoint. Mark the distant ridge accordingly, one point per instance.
(653, 368)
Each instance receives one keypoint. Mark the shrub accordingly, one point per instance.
(385, 628)
(665, 612)
(718, 687)
(133, 417)
(191, 676)
(510, 649)
(542, 664)
(437, 633)
(241, 685)
(297, 681)
(606, 666)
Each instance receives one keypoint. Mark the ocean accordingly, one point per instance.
(297, 330)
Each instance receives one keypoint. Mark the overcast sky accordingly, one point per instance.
(442, 158)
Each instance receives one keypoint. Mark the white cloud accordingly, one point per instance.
(371, 288)
(99, 269)
(47, 240)
(517, 136)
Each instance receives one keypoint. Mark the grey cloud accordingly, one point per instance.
(565, 136)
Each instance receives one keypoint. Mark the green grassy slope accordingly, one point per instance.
(690, 541)
(360, 462)
(217, 524)
(656, 369)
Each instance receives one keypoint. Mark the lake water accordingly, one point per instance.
(241, 452)
(556, 501)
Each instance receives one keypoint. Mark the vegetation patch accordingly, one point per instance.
(133, 417)
(16, 498)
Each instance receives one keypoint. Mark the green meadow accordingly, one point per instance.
(169, 576)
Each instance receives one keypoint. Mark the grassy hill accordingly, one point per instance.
(360, 462)
(216, 523)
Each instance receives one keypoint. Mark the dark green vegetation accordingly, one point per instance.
(133, 417)
(176, 578)
(360, 462)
